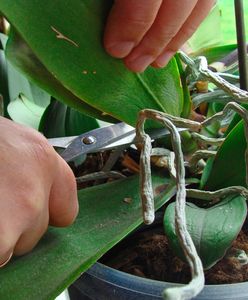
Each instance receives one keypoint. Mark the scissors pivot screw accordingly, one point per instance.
(88, 140)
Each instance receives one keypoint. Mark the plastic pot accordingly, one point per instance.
(103, 283)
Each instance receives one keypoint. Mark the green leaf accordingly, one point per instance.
(229, 166)
(64, 253)
(211, 130)
(228, 19)
(205, 36)
(52, 123)
(212, 230)
(80, 64)
(23, 101)
(22, 57)
(215, 54)
(24, 111)
(60, 120)
(187, 103)
(77, 123)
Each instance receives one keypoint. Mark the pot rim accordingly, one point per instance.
(129, 281)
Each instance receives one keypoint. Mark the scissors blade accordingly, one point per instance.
(62, 142)
(96, 139)
(102, 139)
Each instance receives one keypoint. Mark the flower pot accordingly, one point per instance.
(104, 283)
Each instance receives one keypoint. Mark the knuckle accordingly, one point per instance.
(30, 203)
(154, 43)
(41, 150)
(135, 22)
(187, 32)
(164, 33)
(140, 12)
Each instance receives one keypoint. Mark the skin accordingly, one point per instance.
(43, 187)
(149, 32)
(37, 188)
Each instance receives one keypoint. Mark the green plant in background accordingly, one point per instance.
(228, 20)
(65, 58)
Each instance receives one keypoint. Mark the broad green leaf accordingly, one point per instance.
(52, 123)
(23, 101)
(18, 84)
(24, 111)
(187, 103)
(64, 253)
(205, 36)
(215, 54)
(228, 20)
(77, 123)
(61, 120)
(206, 172)
(228, 167)
(212, 229)
(213, 129)
(22, 57)
(80, 64)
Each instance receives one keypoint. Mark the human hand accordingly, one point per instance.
(149, 32)
(37, 188)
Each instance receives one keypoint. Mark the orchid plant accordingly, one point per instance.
(70, 83)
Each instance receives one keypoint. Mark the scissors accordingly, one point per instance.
(114, 136)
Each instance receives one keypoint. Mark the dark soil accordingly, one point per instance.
(147, 254)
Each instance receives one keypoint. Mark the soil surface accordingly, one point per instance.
(147, 254)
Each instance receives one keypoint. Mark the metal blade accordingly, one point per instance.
(96, 139)
(62, 142)
(101, 139)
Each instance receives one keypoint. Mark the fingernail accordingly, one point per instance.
(140, 63)
(6, 259)
(163, 59)
(121, 49)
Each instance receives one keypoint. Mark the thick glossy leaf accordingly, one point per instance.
(61, 120)
(18, 84)
(23, 101)
(187, 103)
(228, 20)
(79, 62)
(77, 123)
(64, 253)
(228, 167)
(22, 57)
(212, 230)
(213, 129)
(214, 54)
(52, 123)
(205, 36)
(24, 111)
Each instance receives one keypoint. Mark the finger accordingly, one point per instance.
(30, 210)
(63, 204)
(9, 236)
(5, 259)
(30, 237)
(7, 248)
(127, 23)
(196, 17)
(168, 22)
